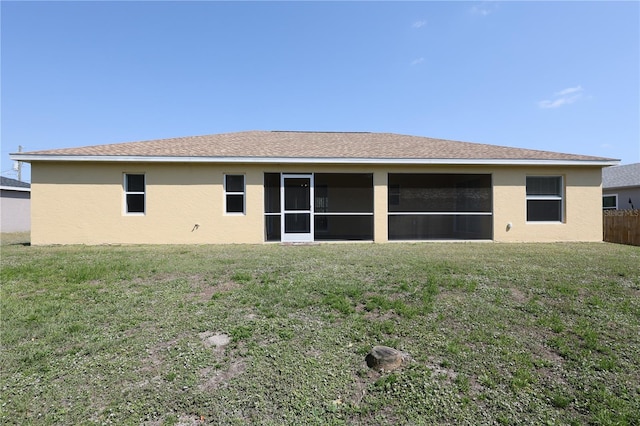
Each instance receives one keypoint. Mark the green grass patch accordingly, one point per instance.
(275, 334)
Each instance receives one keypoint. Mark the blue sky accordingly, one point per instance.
(557, 76)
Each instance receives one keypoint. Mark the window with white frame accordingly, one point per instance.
(234, 194)
(545, 196)
(134, 193)
(610, 202)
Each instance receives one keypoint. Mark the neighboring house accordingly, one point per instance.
(15, 205)
(621, 187)
(260, 186)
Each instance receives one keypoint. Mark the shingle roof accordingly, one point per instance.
(311, 145)
(8, 182)
(621, 176)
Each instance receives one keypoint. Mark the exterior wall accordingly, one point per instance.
(380, 207)
(582, 204)
(82, 203)
(624, 194)
(15, 211)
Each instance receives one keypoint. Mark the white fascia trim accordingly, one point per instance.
(15, 188)
(311, 160)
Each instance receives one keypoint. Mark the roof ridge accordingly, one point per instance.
(318, 131)
(307, 145)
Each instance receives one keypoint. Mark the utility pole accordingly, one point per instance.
(17, 166)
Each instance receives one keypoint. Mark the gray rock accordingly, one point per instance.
(384, 358)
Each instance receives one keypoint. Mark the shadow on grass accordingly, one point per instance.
(15, 239)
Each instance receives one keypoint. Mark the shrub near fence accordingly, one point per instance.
(622, 226)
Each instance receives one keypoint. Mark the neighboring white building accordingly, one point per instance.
(15, 205)
(621, 187)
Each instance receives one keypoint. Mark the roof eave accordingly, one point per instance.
(313, 160)
(621, 187)
(15, 188)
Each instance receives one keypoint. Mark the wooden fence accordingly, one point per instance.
(622, 226)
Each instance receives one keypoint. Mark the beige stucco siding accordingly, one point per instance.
(380, 207)
(582, 204)
(83, 203)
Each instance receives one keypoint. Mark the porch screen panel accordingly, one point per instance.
(343, 228)
(431, 206)
(272, 206)
(344, 192)
(343, 206)
(439, 193)
(272, 228)
(439, 227)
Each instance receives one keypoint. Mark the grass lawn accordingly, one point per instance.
(498, 333)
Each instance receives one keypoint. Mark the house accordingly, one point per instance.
(274, 186)
(621, 187)
(15, 205)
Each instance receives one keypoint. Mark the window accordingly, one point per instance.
(134, 193)
(544, 198)
(610, 202)
(234, 193)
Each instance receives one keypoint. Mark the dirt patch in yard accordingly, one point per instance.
(154, 358)
(361, 385)
(518, 295)
(216, 341)
(208, 292)
(550, 355)
(376, 314)
(213, 379)
(437, 370)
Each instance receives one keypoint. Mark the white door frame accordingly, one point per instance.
(296, 237)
